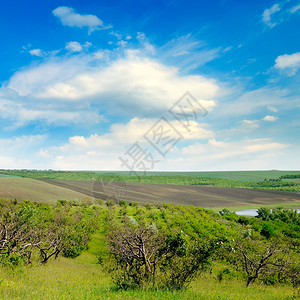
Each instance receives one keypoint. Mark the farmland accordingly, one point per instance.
(203, 196)
(51, 186)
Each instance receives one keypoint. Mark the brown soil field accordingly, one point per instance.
(204, 196)
(30, 189)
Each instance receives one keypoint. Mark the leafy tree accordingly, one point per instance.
(264, 213)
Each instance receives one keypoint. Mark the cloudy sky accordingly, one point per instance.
(92, 85)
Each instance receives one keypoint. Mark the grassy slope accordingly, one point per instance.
(84, 279)
(24, 188)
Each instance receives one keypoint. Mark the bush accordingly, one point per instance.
(267, 231)
(143, 257)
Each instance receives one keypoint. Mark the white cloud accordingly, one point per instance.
(279, 12)
(256, 101)
(272, 108)
(11, 155)
(247, 154)
(41, 53)
(288, 61)
(122, 135)
(141, 36)
(37, 52)
(270, 118)
(106, 148)
(21, 114)
(31, 79)
(74, 47)
(214, 155)
(69, 17)
(245, 127)
(295, 9)
(133, 82)
(267, 14)
(187, 52)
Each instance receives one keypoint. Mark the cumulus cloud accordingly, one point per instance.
(270, 118)
(69, 17)
(122, 135)
(74, 47)
(288, 61)
(247, 154)
(213, 155)
(31, 79)
(37, 52)
(42, 53)
(109, 146)
(132, 83)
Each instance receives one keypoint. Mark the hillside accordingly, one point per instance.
(25, 188)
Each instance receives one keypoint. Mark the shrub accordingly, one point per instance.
(267, 231)
(143, 257)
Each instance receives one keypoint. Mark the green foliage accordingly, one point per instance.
(110, 202)
(227, 273)
(28, 229)
(267, 230)
(145, 257)
(264, 213)
(290, 176)
(286, 221)
(123, 203)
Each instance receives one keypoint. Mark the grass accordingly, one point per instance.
(83, 278)
(25, 188)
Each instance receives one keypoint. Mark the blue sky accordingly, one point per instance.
(81, 84)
